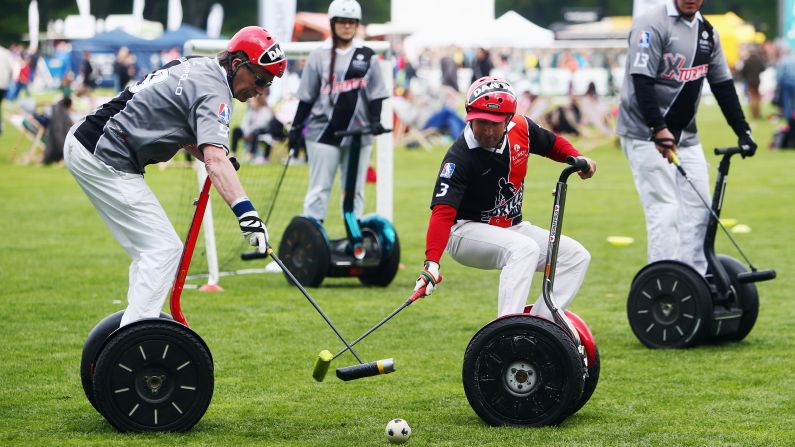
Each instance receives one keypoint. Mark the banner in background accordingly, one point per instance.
(641, 6)
(278, 17)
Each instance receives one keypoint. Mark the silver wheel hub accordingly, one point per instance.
(521, 378)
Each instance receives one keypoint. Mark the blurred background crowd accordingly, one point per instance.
(567, 72)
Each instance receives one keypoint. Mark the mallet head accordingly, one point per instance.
(321, 365)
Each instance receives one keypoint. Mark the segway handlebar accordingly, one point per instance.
(355, 132)
(577, 164)
(757, 276)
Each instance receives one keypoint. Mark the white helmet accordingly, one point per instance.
(345, 9)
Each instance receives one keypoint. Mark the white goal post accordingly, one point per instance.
(384, 142)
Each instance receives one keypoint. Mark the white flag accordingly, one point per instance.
(33, 24)
(138, 9)
(174, 14)
(84, 7)
(278, 17)
(215, 20)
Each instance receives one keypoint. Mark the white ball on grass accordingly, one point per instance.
(397, 431)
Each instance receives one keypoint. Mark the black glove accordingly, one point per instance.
(747, 144)
(376, 128)
(294, 138)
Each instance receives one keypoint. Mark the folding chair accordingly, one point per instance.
(31, 129)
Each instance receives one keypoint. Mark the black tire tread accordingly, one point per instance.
(129, 332)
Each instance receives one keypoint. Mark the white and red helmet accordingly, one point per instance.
(490, 98)
(260, 47)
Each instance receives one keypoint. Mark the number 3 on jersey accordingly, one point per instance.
(444, 187)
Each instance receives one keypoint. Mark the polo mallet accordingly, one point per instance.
(255, 254)
(676, 162)
(359, 371)
(353, 372)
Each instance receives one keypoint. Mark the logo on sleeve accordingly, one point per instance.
(645, 39)
(224, 114)
(447, 170)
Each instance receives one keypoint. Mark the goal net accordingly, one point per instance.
(218, 253)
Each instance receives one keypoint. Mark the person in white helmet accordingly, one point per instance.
(341, 89)
(187, 103)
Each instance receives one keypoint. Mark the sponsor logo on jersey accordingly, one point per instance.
(224, 114)
(645, 39)
(344, 86)
(674, 69)
(447, 170)
(507, 206)
(359, 63)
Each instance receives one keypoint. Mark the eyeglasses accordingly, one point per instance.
(258, 80)
(349, 22)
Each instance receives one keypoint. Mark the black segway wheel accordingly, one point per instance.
(382, 275)
(747, 297)
(94, 342)
(304, 251)
(522, 371)
(154, 375)
(669, 306)
(590, 382)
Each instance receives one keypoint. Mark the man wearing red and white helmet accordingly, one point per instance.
(477, 202)
(186, 103)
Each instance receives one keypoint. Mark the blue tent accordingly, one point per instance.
(103, 48)
(178, 37)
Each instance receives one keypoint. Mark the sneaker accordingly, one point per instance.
(259, 160)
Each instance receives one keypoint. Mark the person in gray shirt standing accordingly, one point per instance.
(341, 89)
(188, 104)
(672, 49)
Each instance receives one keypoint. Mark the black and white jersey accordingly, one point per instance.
(487, 185)
(188, 101)
(678, 54)
(343, 103)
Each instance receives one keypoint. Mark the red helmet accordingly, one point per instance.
(260, 47)
(490, 98)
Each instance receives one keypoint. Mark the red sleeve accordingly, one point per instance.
(442, 219)
(562, 149)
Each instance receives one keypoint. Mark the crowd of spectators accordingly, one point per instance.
(428, 96)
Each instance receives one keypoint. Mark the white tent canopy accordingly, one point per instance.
(510, 30)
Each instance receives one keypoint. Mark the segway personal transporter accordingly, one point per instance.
(525, 370)
(671, 305)
(154, 374)
(370, 250)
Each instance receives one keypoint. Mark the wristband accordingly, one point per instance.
(242, 206)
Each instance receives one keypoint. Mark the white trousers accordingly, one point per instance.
(519, 251)
(676, 219)
(139, 224)
(323, 162)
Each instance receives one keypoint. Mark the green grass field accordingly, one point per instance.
(61, 272)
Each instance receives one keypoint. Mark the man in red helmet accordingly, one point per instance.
(187, 103)
(477, 202)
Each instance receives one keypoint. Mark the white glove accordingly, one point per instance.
(254, 231)
(428, 278)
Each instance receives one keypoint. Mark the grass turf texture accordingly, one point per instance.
(62, 272)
